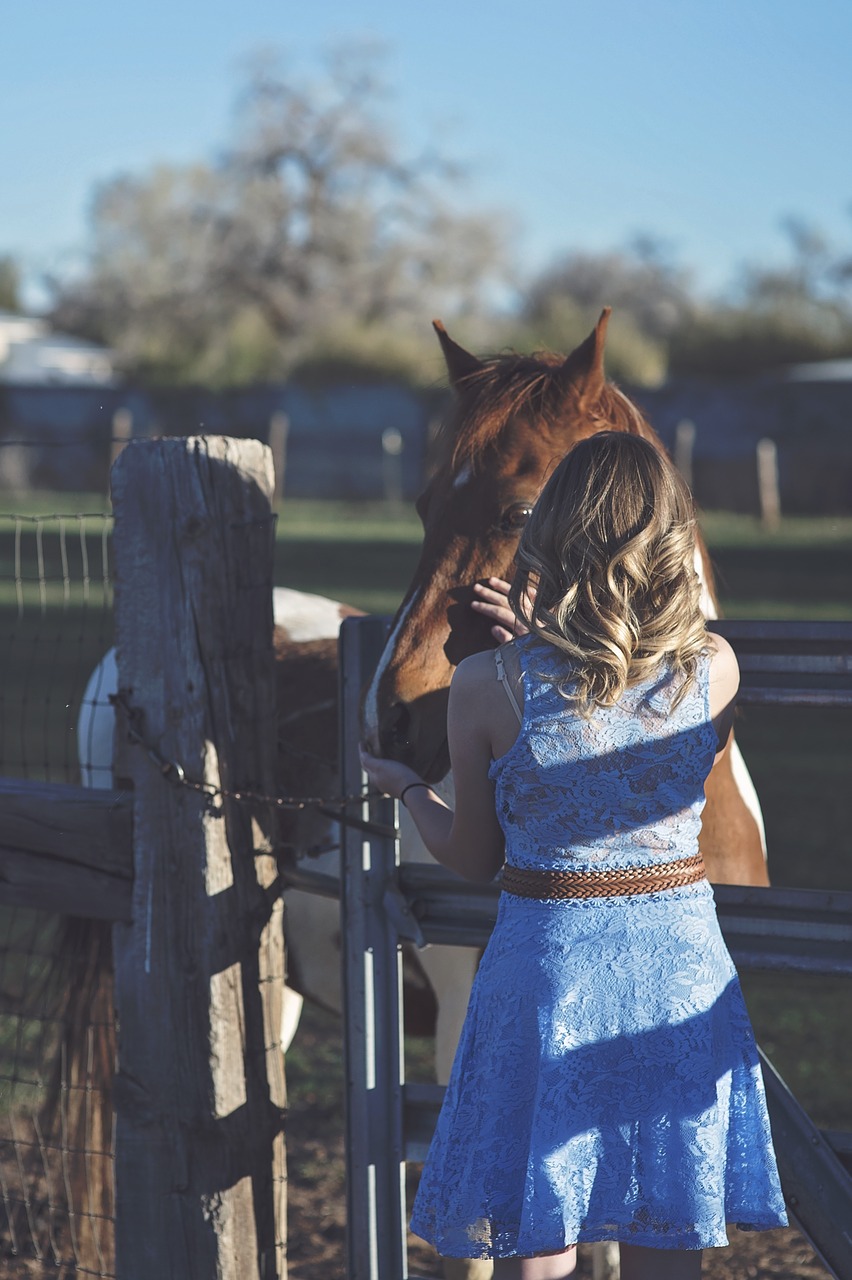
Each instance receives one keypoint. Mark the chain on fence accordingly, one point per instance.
(57, 1034)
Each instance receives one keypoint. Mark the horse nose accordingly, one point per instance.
(396, 730)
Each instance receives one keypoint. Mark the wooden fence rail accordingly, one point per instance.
(66, 849)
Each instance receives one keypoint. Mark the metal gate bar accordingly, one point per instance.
(372, 999)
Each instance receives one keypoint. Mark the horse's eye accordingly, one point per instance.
(514, 518)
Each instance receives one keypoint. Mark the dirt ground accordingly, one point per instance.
(317, 1212)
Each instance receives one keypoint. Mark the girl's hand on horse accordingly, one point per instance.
(491, 603)
(387, 776)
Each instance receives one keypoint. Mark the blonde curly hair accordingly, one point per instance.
(606, 569)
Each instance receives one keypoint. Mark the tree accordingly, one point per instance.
(10, 284)
(310, 224)
(650, 296)
(799, 311)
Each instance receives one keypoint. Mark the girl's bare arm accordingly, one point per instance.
(468, 840)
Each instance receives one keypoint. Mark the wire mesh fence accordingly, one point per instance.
(55, 626)
(57, 1034)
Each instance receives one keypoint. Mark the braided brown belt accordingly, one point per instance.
(526, 883)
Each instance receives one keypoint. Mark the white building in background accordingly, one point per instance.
(31, 355)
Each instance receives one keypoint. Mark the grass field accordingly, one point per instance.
(366, 556)
(51, 637)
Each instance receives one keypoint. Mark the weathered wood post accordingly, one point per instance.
(279, 431)
(767, 484)
(122, 433)
(392, 450)
(683, 450)
(200, 1174)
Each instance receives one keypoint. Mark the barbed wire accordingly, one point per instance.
(97, 443)
(57, 515)
(68, 444)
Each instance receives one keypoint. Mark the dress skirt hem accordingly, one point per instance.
(613, 1233)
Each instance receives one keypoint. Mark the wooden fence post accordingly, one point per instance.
(279, 431)
(199, 1092)
(767, 484)
(683, 449)
(122, 433)
(392, 450)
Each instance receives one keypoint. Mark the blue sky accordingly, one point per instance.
(701, 121)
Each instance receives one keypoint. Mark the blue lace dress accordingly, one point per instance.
(606, 1085)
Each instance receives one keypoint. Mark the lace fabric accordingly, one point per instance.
(606, 1085)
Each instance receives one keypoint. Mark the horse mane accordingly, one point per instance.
(510, 386)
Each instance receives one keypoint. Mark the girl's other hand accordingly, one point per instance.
(387, 776)
(491, 602)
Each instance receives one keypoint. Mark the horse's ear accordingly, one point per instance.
(460, 363)
(583, 370)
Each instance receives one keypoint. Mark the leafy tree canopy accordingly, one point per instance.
(795, 313)
(230, 271)
(10, 284)
(312, 245)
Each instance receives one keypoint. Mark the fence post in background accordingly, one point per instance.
(683, 449)
(767, 484)
(122, 433)
(279, 430)
(199, 1091)
(392, 447)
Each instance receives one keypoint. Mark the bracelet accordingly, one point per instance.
(401, 796)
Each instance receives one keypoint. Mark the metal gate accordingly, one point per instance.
(384, 903)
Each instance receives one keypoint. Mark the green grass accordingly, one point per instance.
(799, 759)
(801, 570)
(365, 554)
(361, 553)
(799, 1023)
(730, 529)
(363, 521)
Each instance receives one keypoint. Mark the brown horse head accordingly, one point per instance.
(515, 417)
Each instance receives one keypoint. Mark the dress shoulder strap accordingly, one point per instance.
(503, 677)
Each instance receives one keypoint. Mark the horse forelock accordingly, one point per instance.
(511, 388)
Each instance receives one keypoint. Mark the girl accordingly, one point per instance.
(606, 1084)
